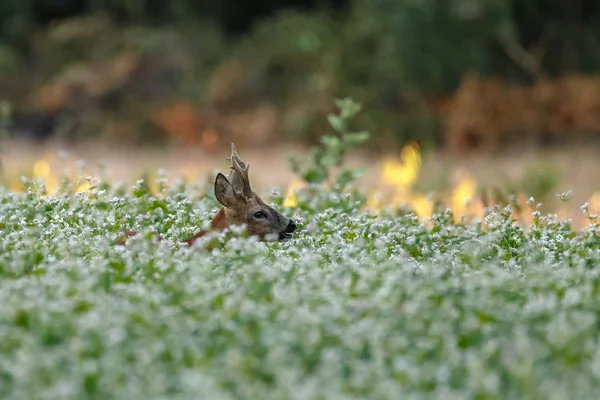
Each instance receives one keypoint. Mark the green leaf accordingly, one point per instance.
(337, 123)
(348, 176)
(330, 160)
(315, 175)
(349, 108)
(357, 138)
(331, 141)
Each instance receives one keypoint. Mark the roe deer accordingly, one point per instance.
(240, 205)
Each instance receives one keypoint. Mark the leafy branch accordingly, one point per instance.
(333, 148)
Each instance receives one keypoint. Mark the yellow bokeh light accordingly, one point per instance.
(84, 186)
(290, 199)
(403, 174)
(463, 194)
(153, 186)
(374, 200)
(51, 184)
(423, 206)
(41, 169)
(397, 174)
(410, 155)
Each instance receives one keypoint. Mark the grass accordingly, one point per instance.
(355, 306)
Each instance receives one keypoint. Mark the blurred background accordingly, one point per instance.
(460, 96)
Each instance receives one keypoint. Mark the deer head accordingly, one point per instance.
(242, 206)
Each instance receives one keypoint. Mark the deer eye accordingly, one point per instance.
(260, 215)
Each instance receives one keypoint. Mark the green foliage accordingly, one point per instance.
(392, 56)
(334, 148)
(5, 116)
(400, 61)
(541, 181)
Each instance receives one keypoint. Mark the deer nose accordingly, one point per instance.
(291, 227)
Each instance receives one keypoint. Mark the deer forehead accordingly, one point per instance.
(256, 204)
(249, 205)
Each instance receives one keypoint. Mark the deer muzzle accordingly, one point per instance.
(287, 233)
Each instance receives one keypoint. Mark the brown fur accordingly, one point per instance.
(240, 206)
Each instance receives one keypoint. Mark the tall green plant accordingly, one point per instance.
(333, 148)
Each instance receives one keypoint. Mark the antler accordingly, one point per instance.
(242, 169)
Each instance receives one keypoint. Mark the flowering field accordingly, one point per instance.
(357, 305)
(366, 301)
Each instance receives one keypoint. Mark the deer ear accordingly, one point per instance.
(224, 191)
